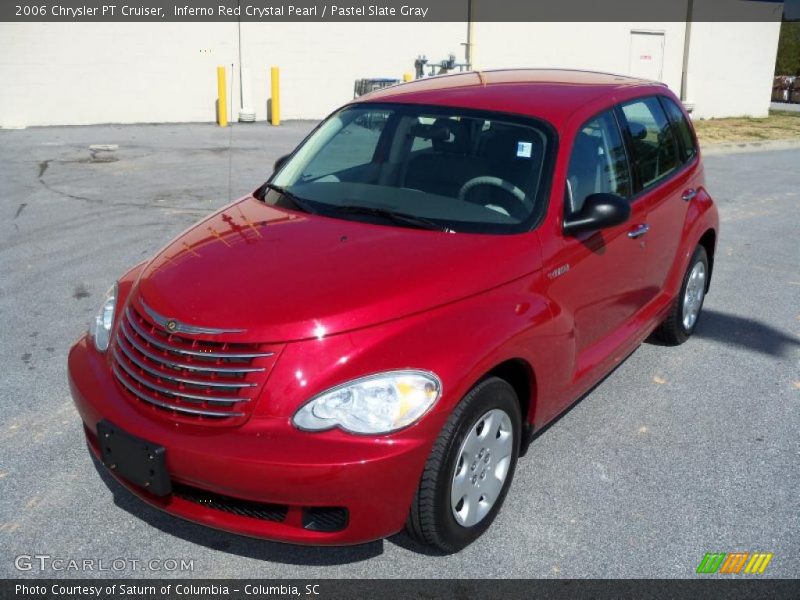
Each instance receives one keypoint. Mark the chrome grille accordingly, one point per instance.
(184, 376)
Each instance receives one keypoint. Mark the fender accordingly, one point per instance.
(701, 217)
(125, 284)
(460, 343)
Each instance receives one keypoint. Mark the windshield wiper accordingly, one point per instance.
(391, 215)
(298, 202)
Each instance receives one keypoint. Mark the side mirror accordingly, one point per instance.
(280, 162)
(598, 212)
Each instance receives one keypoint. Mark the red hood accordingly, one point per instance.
(286, 276)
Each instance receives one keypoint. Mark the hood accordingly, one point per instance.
(283, 275)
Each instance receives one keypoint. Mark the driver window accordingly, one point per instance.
(598, 163)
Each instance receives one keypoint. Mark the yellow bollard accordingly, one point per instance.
(276, 96)
(222, 98)
(407, 76)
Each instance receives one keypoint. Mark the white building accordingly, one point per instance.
(83, 73)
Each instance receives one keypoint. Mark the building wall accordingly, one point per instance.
(593, 46)
(84, 73)
(81, 73)
(320, 62)
(731, 66)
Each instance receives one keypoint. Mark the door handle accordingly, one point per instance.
(689, 195)
(638, 231)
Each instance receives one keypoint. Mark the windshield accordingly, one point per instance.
(420, 166)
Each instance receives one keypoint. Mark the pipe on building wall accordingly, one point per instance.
(242, 111)
(469, 53)
(246, 112)
(687, 35)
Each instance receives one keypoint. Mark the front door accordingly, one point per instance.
(596, 279)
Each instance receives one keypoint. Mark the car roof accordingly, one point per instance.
(550, 94)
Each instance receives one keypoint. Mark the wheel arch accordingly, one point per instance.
(520, 375)
(709, 242)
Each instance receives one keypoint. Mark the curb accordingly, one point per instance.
(740, 147)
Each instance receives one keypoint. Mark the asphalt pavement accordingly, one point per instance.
(679, 452)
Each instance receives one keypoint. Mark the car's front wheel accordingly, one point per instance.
(682, 319)
(469, 469)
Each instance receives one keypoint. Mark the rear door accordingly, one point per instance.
(689, 182)
(663, 182)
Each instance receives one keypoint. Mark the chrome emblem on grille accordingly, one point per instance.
(175, 326)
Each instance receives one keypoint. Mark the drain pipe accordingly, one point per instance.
(469, 50)
(246, 112)
(239, 32)
(687, 35)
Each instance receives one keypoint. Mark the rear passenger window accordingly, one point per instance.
(598, 163)
(653, 146)
(681, 127)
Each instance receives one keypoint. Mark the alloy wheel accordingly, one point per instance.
(693, 296)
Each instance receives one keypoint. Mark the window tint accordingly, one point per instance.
(655, 153)
(598, 163)
(681, 127)
(355, 145)
(420, 142)
(464, 170)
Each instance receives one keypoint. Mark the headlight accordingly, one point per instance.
(100, 330)
(375, 404)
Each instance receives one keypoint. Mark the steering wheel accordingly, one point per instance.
(504, 185)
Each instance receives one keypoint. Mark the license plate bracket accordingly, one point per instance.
(136, 460)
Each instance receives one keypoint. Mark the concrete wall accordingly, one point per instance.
(81, 73)
(85, 73)
(320, 62)
(731, 67)
(594, 46)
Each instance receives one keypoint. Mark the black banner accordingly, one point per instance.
(153, 11)
(505, 589)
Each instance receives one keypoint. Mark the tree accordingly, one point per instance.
(788, 62)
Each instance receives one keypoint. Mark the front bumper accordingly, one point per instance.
(266, 460)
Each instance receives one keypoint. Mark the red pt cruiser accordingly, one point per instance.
(369, 340)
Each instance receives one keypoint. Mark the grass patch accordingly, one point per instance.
(779, 125)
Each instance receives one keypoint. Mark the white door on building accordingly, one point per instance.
(647, 54)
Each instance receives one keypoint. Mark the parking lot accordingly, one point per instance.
(679, 452)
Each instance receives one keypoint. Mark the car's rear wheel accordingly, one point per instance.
(682, 319)
(469, 470)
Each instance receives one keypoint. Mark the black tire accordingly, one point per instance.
(672, 331)
(431, 520)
